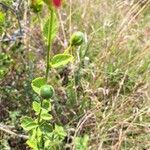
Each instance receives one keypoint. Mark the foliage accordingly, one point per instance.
(42, 134)
(5, 62)
(54, 28)
(60, 60)
(2, 21)
(81, 143)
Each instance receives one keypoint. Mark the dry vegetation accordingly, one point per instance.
(119, 84)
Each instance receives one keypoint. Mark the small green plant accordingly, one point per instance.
(36, 5)
(43, 135)
(2, 21)
(81, 143)
(5, 63)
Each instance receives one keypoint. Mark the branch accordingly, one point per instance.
(5, 129)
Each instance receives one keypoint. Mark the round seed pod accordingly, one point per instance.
(77, 38)
(46, 91)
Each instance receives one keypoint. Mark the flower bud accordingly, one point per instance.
(77, 39)
(57, 3)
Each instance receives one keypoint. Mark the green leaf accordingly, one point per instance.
(46, 128)
(2, 18)
(47, 105)
(28, 123)
(60, 131)
(81, 143)
(26, 120)
(37, 84)
(37, 6)
(54, 28)
(36, 107)
(2, 22)
(47, 143)
(61, 60)
(46, 116)
(32, 144)
(5, 63)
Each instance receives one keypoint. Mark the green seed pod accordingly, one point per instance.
(46, 91)
(77, 38)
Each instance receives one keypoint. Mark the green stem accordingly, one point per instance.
(49, 42)
(40, 20)
(50, 26)
(67, 50)
(39, 116)
(39, 119)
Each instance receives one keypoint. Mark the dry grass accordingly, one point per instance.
(119, 88)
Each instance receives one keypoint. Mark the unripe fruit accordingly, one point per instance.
(46, 91)
(77, 39)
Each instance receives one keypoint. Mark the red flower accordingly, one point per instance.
(57, 3)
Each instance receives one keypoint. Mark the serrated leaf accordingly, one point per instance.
(37, 83)
(60, 60)
(54, 28)
(36, 107)
(46, 116)
(28, 123)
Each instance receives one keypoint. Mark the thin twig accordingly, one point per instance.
(5, 129)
